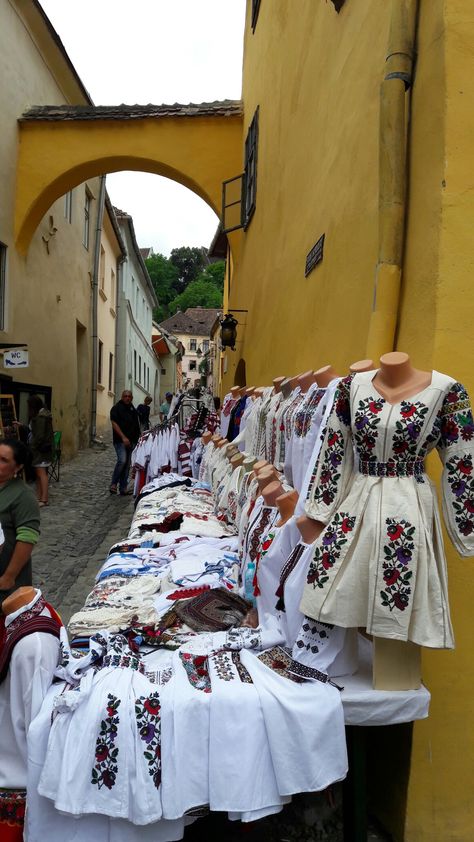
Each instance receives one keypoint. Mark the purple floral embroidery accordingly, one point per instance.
(408, 430)
(147, 711)
(461, 480)
(329, 548)
(398, 556)
(366, 421)
(457, 421)
(105, 769)
(196, 667)
(326, 489)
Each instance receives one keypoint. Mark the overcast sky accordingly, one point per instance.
(155, 51)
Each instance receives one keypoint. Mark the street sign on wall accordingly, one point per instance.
(16, 358)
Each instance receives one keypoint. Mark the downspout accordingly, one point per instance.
(95, 308)
(393, 145)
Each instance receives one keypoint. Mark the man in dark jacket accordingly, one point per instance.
(126, 432)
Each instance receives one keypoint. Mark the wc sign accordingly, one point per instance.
(16, 358)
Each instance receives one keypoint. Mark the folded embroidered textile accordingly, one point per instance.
(214, 610)
(114, 604)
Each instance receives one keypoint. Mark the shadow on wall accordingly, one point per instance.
(240, 376)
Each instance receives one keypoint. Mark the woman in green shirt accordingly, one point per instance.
(19, 517)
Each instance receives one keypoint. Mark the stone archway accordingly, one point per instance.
(62, 146)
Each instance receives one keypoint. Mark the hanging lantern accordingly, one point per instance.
(228, 331)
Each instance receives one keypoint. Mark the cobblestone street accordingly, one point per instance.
(78, 527)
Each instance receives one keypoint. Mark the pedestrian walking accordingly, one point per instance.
(143, 410)
(40, 437)
(165, 406)
(126, 432)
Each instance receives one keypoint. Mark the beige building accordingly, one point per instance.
(45, 297)
(169, 352)
(112, 255)
(194, 329)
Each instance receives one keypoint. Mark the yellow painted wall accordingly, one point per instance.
(106, 322)
(315, 76)
(48, 295)
(199, 152)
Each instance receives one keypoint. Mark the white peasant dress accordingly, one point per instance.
(380, 561)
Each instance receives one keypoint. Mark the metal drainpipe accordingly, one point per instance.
(95, 297)
(393, 143)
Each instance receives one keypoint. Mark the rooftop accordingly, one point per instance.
(219, 108)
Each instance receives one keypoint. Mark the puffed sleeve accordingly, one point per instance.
(456, 449)
(333, 468)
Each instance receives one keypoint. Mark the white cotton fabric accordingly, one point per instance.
(387, 568)
(241, 774)
(44, 822)
(30, 673)
(305, 729)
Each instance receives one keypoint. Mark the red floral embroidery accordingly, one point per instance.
(398, 555)
(147, 712)
(329, 548)
(105, 770)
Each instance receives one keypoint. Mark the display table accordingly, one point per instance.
(365, 706)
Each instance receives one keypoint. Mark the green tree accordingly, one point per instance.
(214, 273)
(199, 293)
(164, 276)
(189, 262)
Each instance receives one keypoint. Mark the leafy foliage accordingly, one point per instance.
(199, 293)
(185, 279)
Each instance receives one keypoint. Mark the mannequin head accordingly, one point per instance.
(221, 443)
(237, 460)
(235, 391)
(264, 480)
(249, 391)
(206, 437)
(277, 384)
(286, 388)
(271, 492)
(286, 504)
(249, 463)
(361, 365)
(20, 597)
(260, 464)
(324, 375)
(305, 380)
(309, 529)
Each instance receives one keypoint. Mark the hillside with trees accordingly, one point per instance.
(185, 279)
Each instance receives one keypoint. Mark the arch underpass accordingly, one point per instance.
(61, 146)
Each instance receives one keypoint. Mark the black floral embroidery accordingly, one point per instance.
(460, 477)
(329, 548)
(105, 770)
(398, 556)
(244, 674)
(147, 712)
(223, 666)
(366, 421)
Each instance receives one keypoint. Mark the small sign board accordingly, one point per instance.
(314, 256)
(16, 358)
